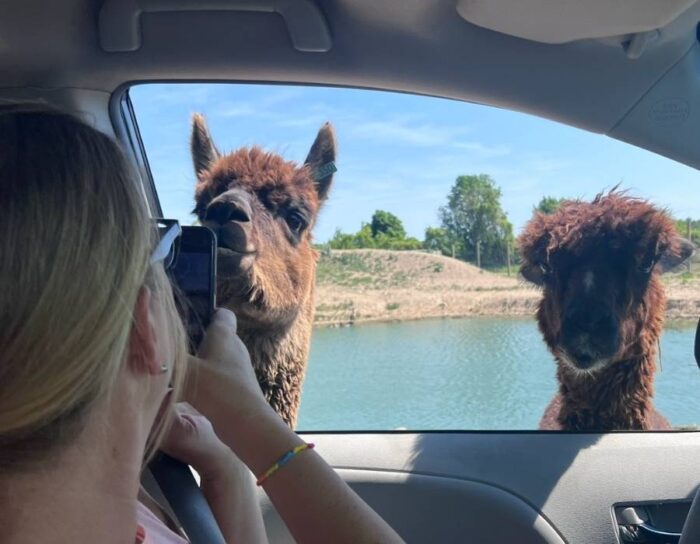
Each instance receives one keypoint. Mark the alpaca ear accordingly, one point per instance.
(204, 152)
(321, 160)
(670, 260)
(532, 244)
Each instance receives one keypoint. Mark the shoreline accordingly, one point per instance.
(676, 321)
(382, 286)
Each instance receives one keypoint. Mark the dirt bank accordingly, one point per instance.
(355, 286)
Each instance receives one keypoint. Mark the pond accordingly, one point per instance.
(479, 373)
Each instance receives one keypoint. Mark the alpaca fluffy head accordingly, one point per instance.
(262, 209)
(598, 264)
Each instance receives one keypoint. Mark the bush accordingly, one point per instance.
(385, 232)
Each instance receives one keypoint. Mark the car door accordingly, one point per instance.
(511, 487)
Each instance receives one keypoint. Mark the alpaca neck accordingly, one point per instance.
(279, 358)
(617, 397)
(272, 346)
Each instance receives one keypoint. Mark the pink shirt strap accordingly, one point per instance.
(152, 530)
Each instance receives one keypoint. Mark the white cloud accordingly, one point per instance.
(185, 95)
(242, 109)
(483, 150)
(302, 121)
(400, 131)
(548, 164)
(257, 108)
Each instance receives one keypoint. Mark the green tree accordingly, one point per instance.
(388, 224)
(384, 232)
(682, 228)
(437, 239)
(405, 244)
(364, 237)
(341, 240)
(473, 214)
(549, 204)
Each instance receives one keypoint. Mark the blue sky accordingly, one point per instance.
(399, 152)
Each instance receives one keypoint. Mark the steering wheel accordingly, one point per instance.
(185, 497)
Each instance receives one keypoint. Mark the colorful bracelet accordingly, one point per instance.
(283, 461)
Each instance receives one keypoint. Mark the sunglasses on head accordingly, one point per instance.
(168, 245)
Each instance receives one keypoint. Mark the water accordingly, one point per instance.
(476, 373)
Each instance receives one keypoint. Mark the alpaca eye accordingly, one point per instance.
(545, 269)
(295, 222)
(646, 267)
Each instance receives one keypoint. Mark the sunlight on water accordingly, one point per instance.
(470, 374)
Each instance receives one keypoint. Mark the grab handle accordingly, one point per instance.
(120, 20)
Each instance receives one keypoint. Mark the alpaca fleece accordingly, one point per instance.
(629, 243)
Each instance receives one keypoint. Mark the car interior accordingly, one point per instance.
(629, 70)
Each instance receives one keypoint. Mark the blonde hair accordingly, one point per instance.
(75, 241)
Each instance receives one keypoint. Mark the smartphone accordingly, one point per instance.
(194, 275)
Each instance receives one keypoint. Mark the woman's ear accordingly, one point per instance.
(143, 347)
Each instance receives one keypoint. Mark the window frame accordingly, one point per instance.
(126, 128)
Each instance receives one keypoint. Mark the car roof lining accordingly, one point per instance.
(417, 46)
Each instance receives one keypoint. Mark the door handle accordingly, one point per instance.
(655, 535)
(633, 528)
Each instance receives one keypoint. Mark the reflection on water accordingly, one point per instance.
(476, 373)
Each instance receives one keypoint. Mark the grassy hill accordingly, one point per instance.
(380, 285)
(374, 284)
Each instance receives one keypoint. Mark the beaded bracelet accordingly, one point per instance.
(283, 461)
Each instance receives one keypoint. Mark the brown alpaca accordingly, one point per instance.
(263, 209)
(602, 310)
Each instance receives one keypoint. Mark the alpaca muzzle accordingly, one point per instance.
(230, 217)
(589, 335)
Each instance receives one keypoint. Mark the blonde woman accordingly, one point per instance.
(90, 344)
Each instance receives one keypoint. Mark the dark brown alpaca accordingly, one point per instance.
(602, 310)
(263, 209)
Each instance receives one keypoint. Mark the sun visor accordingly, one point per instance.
(561, 21)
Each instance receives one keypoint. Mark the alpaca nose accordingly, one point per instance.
(232, 208)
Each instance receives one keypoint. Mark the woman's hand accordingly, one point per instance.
(221, 378)
(224, 350)
(222, 385)
(226, 482)
(192, 440)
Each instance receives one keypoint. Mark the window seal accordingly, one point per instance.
(127, 133)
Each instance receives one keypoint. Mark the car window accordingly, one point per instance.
(421, 320)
